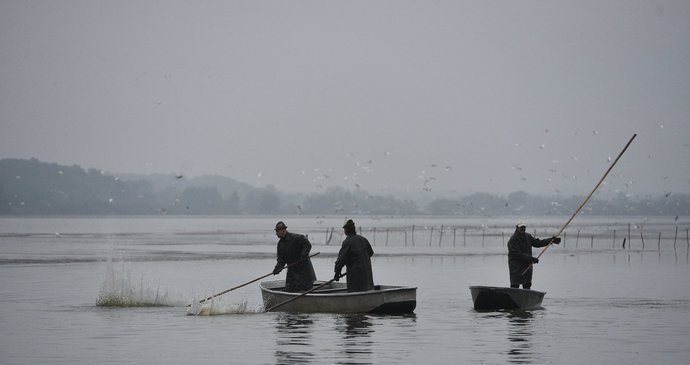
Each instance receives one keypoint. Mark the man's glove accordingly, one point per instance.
(336, 277)
(556, 240)
(535, 260)
(277, 270)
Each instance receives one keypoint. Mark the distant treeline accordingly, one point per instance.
(33, 187)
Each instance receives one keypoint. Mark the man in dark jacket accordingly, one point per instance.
(293, 249)
(355, 253)
(520, 255)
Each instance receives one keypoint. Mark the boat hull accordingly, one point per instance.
(334, 298)
(497, 298)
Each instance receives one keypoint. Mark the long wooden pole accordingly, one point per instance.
(303, 294)
(584, 202)
(249, 282)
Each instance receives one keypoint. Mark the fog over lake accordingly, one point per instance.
(400, 97)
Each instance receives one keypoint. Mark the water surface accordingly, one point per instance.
(604, 304)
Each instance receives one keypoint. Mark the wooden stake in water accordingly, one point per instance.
(440, 236)
(565, 235)
(329, 236)
(585, 201)
(642, 239)
(412, 236)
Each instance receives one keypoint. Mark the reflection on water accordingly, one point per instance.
(520, 337)
(517, 330)
(294, 339)
(324, 338)
(356, 345)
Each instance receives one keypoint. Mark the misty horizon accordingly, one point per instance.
(30, 187)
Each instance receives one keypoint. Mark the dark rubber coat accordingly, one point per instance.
(355, 254)
(292, 248)
(520, 257)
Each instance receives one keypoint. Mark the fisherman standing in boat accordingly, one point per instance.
(520, 255)
(355, 254)
(293, 249)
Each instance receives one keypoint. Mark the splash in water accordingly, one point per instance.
(214, 308)
(118, 290)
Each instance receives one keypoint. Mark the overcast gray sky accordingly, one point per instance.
(386, 96)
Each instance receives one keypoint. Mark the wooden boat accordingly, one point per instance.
(495, 298)
(334, 298)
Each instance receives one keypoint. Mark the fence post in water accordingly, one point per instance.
(675, 238)
(629, 240)
(614, 239)
(503, 238)
(412, 237)
(565, 235)
(577, 238)
(658, 243)
(642, 239)
(454, 236)
(464, 237)
(591, 243)
(374, 234)
(405, 232)
(386, 236)
(329, 236)
(440, 236)
(431, 234)
(483, 237)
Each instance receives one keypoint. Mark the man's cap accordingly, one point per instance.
(280, 225)
(520, 225)
(349, 223)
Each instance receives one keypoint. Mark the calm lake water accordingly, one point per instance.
(605, 303)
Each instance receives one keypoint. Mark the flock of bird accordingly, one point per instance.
(429, 175)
